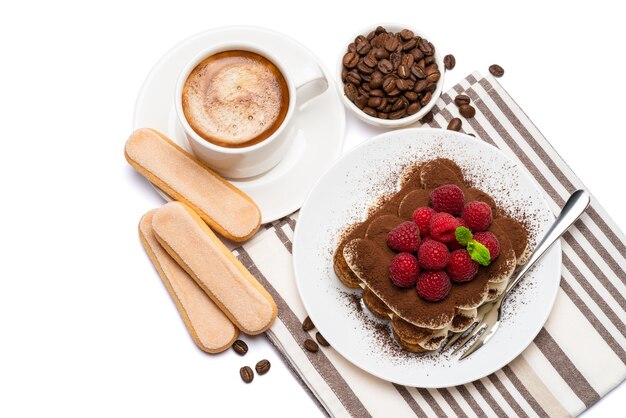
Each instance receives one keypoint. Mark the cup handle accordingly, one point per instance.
(309, 82)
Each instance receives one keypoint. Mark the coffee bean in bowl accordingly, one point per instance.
(390, 75)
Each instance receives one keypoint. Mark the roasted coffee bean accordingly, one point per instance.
(366, 88)
(428, 117)
(399, 104)
(240, 347)
(361, 101)
(385, 66)
(309, 344)
(383, 104)
(352, 47)
(396, 59)
(420, 86)
(362, 67)
(387, 108)
(389, 84)
(370, 60)
(354, 78)
(359, 38)
(431, 69)
(418, 71)
(397, 114)
(496, 70)
(307, 324)
(380, 29)
(379, 40)
(409, 45)
(449, 61)
(406, 34)
(429, 60)
(403, 84)
(417, 54)
(455, 124)
(461, 100)
(434, 77)
(403, 71)
(426, 98)
(246, 373)
(413, 108)
(374, 102)
(394, 92)
(263, 366)
(430, 87)
(371, 35)
(369, 111)
(350, 60)
(380, 53)
(391, 44)
(425, 46)
(363, 47)
(382, 115)
(344, 73)
(321, 340)
(366, 78)
(421, 63)
(467, 111)
(376, 93)
(351, 91)
(408, 60)
(411, 95)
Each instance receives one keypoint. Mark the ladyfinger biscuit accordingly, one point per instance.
(224, 279)
(210, 329)
(182, 177)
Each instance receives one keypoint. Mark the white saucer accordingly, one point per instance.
(320, 123)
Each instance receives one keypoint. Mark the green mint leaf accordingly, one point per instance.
(479, 253)
(463, 235)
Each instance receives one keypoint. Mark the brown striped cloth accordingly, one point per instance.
(579, 355)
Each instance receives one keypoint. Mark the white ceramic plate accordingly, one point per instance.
(341, 197)
(320, 123)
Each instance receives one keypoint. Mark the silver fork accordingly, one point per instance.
(489, 315)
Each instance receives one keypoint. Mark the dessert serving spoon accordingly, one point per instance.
(489, 315)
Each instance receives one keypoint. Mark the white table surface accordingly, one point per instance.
(86, 326)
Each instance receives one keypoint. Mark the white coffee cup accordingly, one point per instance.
(303, 84)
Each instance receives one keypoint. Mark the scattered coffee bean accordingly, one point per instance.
(311, 346)
(461, 100)
(307, 324)
(387, 65)
(320, 339)
(449, 61)
(262, 367)
(496, 70)
(246, 373)
(455, 124)
(428, 117)
(240, 347)
(467, 111)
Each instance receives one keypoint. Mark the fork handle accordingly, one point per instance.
(573, 209)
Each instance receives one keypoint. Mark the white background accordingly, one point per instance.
(86, 326)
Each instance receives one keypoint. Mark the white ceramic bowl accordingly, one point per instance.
(389, 123)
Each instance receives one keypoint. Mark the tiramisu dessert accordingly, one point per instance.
(431, 254)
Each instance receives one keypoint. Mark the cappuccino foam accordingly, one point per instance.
(235, 99)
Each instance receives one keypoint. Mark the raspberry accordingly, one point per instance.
(433, 255)
(454, 244)
(404, 270)
(461, 267)
(404, 237)
(477, 215)
(433, 285)
(490, 241)
(442, 227)
(448, 198)
(422, 217)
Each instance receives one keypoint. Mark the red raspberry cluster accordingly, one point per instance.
(430, 255)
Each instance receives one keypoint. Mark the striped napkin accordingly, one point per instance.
(579, 355)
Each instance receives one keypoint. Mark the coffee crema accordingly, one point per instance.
(235, 99)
